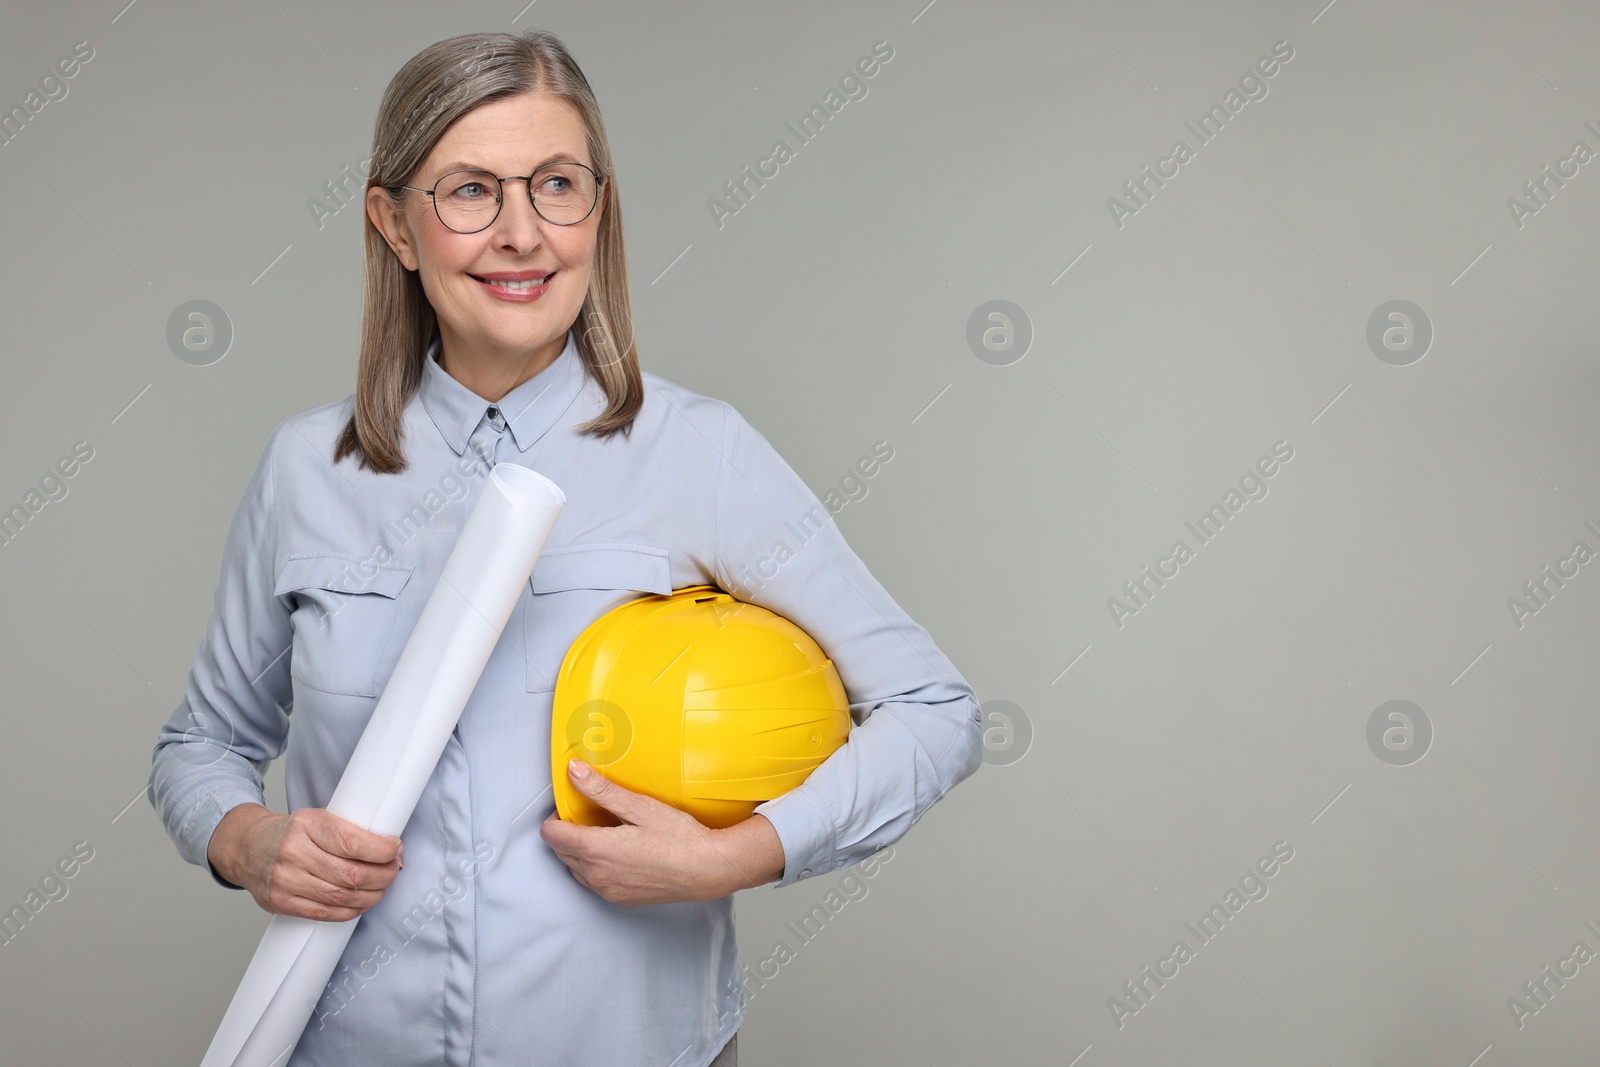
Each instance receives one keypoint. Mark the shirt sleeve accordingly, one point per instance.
(211, 753)
(917, 725)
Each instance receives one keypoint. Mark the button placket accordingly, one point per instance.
(486, 439)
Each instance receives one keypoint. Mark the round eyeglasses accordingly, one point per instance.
(469, 200)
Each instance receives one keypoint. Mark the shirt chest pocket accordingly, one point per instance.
(576, 584)
(343, 622)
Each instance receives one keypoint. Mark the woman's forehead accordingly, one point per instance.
(530, 128)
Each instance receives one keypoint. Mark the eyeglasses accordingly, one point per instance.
(469, 200)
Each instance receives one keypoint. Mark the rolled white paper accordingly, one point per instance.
(399, 749)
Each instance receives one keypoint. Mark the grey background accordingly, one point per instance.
(1228, 314)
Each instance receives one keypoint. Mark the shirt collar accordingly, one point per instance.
(529, 410)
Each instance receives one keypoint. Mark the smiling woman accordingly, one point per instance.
(501, 318)
(509, 107)
(497, 331)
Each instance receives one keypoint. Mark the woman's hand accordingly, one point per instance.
(309, 863)
(659, 855)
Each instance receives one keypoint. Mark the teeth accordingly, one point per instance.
(529, 284)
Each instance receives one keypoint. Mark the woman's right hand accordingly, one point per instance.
(309, 863)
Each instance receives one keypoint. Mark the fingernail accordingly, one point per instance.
(578, 769)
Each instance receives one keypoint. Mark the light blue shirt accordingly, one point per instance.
(486, 951)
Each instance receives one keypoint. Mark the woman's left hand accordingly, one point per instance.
(659, 855)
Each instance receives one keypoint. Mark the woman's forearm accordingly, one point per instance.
(752, 852)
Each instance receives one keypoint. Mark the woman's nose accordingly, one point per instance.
(518, 222)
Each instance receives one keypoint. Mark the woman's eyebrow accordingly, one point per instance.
(556, 157)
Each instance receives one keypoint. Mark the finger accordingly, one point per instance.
(340, 837)
(568, 854)
(564, 840)
(310, 860)
(566, 836)
(309, 897)
(617, 799)
(306, 908)
(354, 875)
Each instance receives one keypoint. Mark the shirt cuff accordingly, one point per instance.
(195, 835)
(806, 831)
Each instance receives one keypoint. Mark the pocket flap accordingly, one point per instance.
(611, 565)
(342, 574)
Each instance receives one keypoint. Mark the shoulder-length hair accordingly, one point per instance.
(436, 87)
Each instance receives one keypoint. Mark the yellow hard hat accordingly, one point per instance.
(702, 701)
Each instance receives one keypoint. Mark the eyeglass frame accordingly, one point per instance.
(500, 195)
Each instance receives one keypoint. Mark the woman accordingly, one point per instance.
(497, 328)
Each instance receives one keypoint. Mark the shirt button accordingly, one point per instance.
(494, 413)
(805, 872)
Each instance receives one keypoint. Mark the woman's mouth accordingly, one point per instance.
(526, 288)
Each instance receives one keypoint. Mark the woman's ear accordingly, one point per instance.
(391, 222)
